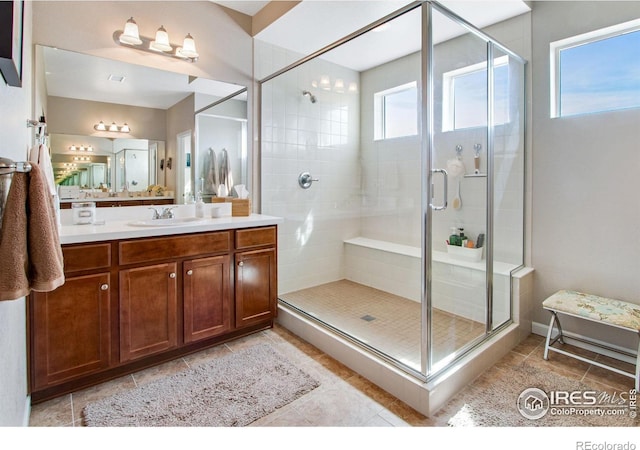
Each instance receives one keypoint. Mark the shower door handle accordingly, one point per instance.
(445, 200)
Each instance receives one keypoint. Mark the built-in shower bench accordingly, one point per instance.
(606, 311)
(438, 256)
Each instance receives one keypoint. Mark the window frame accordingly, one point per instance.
(556, 47)
(379, 111)
(448, 90)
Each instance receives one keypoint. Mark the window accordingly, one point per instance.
(464, 95)
(597, 71)
(396, 112)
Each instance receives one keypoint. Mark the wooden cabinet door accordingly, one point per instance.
(71, 333)
(256, 287)
(207, 303)
(148, 310)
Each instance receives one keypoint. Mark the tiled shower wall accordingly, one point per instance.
(320, 138)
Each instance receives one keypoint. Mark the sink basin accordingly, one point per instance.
(177, 221)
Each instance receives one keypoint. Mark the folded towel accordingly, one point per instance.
(30, 252)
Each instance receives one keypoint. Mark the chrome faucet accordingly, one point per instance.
(166, 213)
(156, 214)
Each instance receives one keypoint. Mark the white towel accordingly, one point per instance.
(39, 155)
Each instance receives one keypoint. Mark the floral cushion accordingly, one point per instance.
(608, 310)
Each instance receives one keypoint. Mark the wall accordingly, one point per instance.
(15, 109)
(586, 215)
(72, 116)
(320, 138)
(180, 118)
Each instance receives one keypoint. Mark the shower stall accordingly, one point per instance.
(379, 156)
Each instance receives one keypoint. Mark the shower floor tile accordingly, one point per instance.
(387, 322)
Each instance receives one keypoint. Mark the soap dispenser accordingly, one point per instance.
(199, 206)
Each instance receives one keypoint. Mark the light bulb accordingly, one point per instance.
(113, 127)
(125, 128)
(100, 126)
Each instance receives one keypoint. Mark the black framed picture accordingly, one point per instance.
(11, 19)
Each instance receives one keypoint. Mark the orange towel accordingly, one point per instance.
(30, 252)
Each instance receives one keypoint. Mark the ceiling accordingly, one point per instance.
(309, 26)
(315, 24)
(248, 7)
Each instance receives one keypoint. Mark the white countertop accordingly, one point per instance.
(117, 224)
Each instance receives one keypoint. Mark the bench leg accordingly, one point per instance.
(554, 321)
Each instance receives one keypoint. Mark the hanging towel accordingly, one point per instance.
(30, 252)
(40, 155)
(225, 179)
(210, 175)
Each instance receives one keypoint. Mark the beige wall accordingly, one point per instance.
(586, 213)
(180, 118)
(71, 116)
(88, 27)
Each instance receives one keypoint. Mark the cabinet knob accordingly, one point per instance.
(104, 287)
(241, 263)
(172, 275)
(189, 272)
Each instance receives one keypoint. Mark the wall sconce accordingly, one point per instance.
(169, 161)
(130, 37)
(113, 127)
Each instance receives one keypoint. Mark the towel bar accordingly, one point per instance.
(9, 166)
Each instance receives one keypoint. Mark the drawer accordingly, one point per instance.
(86, 257)
(154, 249)
(255, 237)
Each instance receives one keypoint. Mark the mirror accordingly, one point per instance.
(221, 147)
(161, 123)
(107, 164)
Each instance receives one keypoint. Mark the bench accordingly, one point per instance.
(607, 311)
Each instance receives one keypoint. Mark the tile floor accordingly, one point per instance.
(344, 398)
(387, 322)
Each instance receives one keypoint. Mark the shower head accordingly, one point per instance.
(310, 95)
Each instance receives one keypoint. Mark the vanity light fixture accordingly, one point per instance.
(81, 148)
(130, 37)
(113, 127)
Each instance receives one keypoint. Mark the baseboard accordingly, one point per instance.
(27, 411)
(542, 329)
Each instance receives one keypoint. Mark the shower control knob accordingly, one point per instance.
(305, 180)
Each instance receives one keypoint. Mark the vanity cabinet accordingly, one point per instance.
(71, 326)
(256, 279)
(129, 304)
(148, 310)
(207, 300)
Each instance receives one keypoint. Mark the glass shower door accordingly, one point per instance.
(341, 162)
(457, 279)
